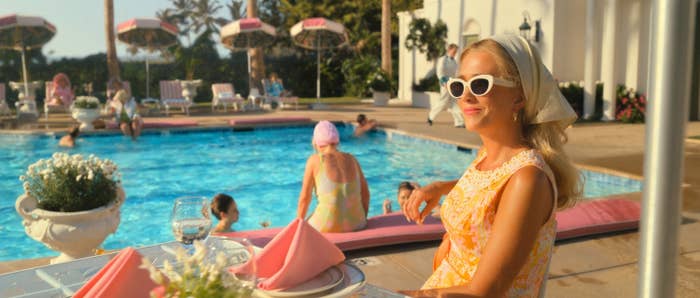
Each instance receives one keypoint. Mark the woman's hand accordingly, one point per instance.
(430, 194)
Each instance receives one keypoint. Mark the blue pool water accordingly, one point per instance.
(261, 169)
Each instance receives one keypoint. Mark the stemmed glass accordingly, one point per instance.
(190, 220)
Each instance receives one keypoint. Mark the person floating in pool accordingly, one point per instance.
(364, 125)
(69, 139)
(340, 185)
(406, 188)
(404, 192)
(125, 111)
(224, 208)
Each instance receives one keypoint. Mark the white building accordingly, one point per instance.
(580, 40)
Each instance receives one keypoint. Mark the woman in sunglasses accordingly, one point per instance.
(499, 216)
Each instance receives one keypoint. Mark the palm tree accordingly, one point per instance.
(112, 62)
(257, 65)
(386, 36)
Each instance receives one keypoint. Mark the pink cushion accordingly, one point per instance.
(150, 123)
(596, 217)
(381, 230)
(267, 120)
(586, 218)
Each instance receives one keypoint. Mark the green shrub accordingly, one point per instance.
(71, 183)
(379, 81)
(86, 102)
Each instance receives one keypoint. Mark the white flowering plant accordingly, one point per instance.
(71, 183)
(379, 81)
(195, 275)
(86, 102)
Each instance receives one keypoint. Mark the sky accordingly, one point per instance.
(80, 23)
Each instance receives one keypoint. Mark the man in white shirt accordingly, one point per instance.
(446, 68)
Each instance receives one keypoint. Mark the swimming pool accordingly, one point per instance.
(261, 169)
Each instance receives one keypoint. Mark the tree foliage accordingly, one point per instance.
(427, 38)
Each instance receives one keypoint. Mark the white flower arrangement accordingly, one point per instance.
(70, 183)
(86, 102)
(195, 276)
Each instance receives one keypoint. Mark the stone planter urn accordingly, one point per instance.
(189, 89)
(380, 98)
(73, 234)
(85, 117)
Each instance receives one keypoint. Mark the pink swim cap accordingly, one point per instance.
(325, 134)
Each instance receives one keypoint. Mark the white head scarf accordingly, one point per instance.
(543, 100)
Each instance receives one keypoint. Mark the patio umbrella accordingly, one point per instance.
(147, 33)
(19, 32)
(319, 34)
(245, 34)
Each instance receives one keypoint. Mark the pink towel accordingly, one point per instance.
(121, 277)
(297, 254)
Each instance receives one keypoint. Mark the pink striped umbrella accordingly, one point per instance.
(319, 34)
(245, 34)
(147, 33)
(19, 32)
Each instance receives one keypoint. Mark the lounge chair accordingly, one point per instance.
(51, 107)
(4, 108)
(171, 96)
(223, 94)
(284, 98)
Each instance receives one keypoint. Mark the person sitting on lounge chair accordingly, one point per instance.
(275, 87)
(125, 111)
(61, 93)
(224, 208)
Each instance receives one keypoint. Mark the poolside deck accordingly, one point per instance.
(604, 266)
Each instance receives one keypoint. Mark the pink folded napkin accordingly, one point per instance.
(298, 253)
(121, 277)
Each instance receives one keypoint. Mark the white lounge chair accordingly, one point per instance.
(223, 94)
(171, 96)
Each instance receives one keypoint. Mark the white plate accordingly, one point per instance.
(325, 281)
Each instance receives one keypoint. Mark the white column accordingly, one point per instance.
(669, 82)
(608, 61)
(591, 60)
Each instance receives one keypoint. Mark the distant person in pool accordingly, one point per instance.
(224, 208)
(341, 188)
(404, 192)
(364, 125)
(69, 139)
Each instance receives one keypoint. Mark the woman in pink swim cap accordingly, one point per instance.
(340, 185)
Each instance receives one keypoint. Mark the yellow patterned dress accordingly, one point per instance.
(468, 213)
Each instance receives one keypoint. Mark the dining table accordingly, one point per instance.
(65, 279)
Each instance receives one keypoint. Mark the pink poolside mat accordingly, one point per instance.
(267, 120)
(597, 217)
(167, 123)
(381, 230)
(586, 218)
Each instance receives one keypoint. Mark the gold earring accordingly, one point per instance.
(515, 117)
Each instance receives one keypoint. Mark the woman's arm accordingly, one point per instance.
(430, 194)
(525, 205)
(364, 191)
(307, 186)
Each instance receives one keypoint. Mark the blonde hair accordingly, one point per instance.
(548, 138)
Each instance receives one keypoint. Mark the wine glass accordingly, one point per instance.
(190, 219)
